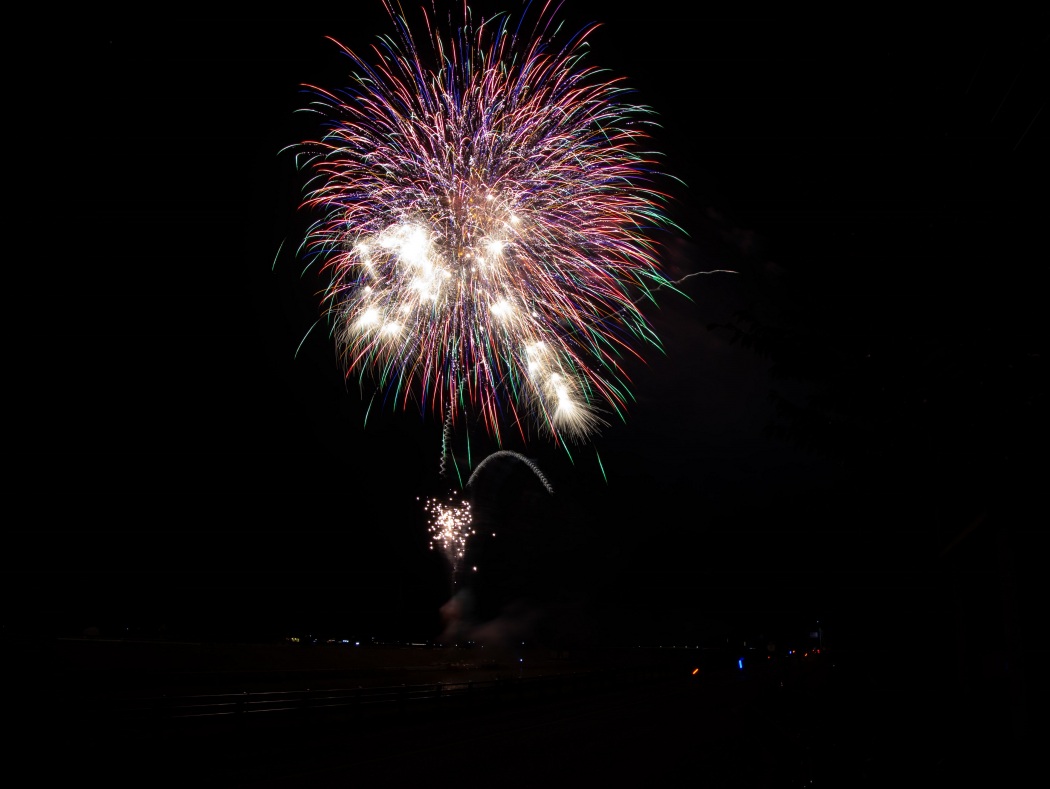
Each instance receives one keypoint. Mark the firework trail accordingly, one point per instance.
(484, 214)
(507, 454)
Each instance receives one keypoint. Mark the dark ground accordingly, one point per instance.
(829, 720)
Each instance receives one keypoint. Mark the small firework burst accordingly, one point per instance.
(450, 527)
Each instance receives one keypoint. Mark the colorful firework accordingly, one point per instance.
(484, 215)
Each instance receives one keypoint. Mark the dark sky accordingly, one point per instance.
(822, 424)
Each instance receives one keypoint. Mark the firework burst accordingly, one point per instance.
(450, 527)
(484, 209)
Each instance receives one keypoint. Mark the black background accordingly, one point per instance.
(848, 429)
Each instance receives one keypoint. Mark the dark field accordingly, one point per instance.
(604, 718)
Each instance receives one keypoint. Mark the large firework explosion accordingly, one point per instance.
(484, 214)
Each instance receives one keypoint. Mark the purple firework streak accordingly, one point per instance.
(484, 208)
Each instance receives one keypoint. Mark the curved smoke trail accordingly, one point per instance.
(507, 453)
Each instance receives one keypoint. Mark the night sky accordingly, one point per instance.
(839, 430)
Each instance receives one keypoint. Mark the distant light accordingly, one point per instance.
(696, 670)
(740, 663)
